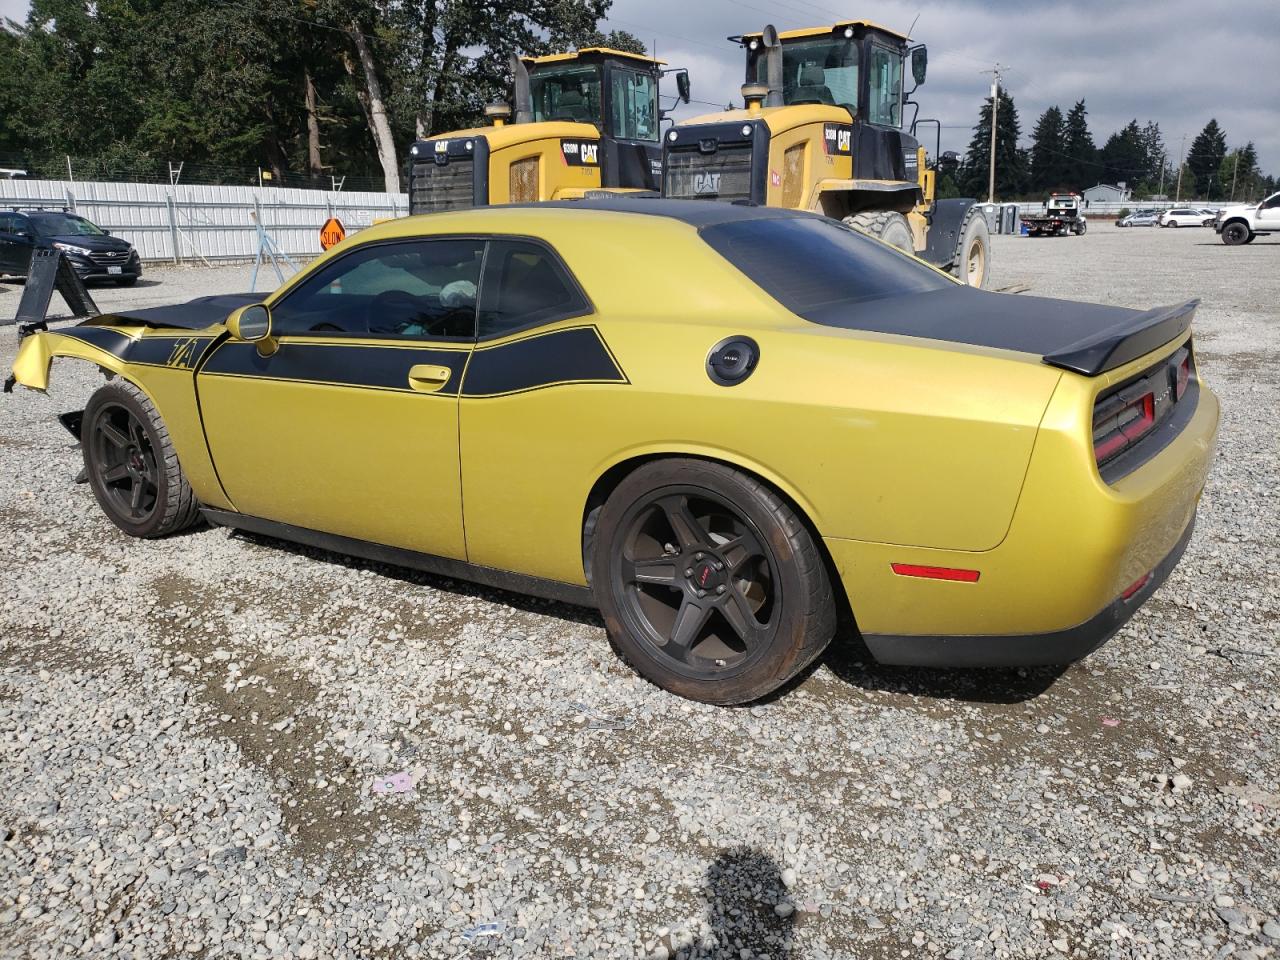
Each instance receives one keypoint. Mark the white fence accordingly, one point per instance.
(196, 223)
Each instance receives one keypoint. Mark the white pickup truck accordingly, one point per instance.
(1242, 222)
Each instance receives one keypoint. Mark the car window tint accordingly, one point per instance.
(419, 289)
(812, 265)
(6, 223)
(526, 285)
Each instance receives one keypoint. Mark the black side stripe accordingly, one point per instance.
(573, 355)
(180, 352)
(348, 365)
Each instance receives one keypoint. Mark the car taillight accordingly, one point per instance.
(1121, 421)
(1182, 375)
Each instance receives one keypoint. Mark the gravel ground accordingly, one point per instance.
(199, 735)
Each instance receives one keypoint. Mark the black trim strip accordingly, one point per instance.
(338, 363)
(181, 352)
(552, 358)
(397, 556)
(1029, 649)
(112, 341)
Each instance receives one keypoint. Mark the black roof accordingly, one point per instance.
(697, 213)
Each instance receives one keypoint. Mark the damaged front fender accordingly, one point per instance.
(36, 353)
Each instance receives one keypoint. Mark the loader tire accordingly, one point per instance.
(886, 226)
(971, 261)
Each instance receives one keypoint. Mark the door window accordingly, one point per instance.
(525, 285)
(886, 87)
(419, 289)
(634, 105)
(6, 222)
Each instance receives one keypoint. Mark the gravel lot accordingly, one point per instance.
(195, 733)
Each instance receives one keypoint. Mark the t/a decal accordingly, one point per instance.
(580, 153)
(183, 353)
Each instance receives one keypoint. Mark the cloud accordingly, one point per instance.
(1177, 62)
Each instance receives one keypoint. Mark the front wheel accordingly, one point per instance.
(1172, 223)
(886, 226)
(131, 464)
(971, 261)
(1234, 234)
(710, 585)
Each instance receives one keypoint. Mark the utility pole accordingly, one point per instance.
(1164, 162)
(1234, 171)
(1181, 155)
(995, 109)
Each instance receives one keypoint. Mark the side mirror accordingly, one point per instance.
(919, 64)
(682, 85)
(106, 233)
(252, 324)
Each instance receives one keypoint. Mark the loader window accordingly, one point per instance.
(566, 93)
(822, 70)
(886, 87)
(634, 106)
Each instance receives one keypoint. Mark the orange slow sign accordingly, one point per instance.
(331, 233)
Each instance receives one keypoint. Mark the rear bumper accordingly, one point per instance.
(1025, 650)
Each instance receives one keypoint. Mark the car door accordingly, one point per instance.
(539, 366)
(349, 425)
(16, 243)
(1269, 213)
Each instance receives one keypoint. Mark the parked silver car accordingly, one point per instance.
(1140, 218)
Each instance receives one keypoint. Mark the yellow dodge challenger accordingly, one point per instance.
(721, 425)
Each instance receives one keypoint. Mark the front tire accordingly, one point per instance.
(886, 226)
(710, 585)
(971, 261)
(131, 464)
(1236, 233)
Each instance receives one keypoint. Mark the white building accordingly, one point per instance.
(1108, 193)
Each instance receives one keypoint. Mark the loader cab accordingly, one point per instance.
(855, 65)
(614, 91)
(579, 122)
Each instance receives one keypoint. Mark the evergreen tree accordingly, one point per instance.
(1204, 161)
(1124, 156)
(1048, 152)
(1011, 162)
(1238, 172)
(1081, 168)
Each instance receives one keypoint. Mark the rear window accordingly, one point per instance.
(816, 267)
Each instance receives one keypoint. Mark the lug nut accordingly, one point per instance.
(702, 593)
(697, 556)
(720, 589)
(688, 571)
(719, 565)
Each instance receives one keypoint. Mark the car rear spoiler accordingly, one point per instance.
(1114, 346)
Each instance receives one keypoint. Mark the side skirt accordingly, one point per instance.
(399, 557)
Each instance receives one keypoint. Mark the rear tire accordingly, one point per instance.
(886, 226)
(1082, 229)
(132, 467)
(1236, 233)
(710, 585)
(971, 261)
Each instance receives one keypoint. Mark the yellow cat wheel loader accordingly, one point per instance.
(823, 130)
(584, 121)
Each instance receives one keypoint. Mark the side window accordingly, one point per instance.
(525, 285)
(1271, 203)
(634, 99)
(418, 289)
(886, 87)
(6, 222)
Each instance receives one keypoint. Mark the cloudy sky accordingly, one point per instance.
(1178, 62)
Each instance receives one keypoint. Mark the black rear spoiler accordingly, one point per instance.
(1114, 346)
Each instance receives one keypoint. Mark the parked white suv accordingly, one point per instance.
(1244, 221)
(1185, 217)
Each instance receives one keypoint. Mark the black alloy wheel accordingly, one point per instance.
(698, 584)
(131, 463)
(124, 463)
(711, 586)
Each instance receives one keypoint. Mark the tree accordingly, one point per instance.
(1081, 166)
(1124, 156)
(1238, 172)
(1011, 163)
(1204, 160)
(1048, 152)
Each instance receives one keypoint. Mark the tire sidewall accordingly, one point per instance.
(975, 227)
(1234, 234)
(113, 394)
(742, 682)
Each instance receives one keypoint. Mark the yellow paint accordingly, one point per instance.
(603, 51)
(897, 449)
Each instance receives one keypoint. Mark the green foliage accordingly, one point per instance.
(1011, 162)
(1204, 161)
(1122, 213)
(1048, 153)
(1081, 167)
(125, 86)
